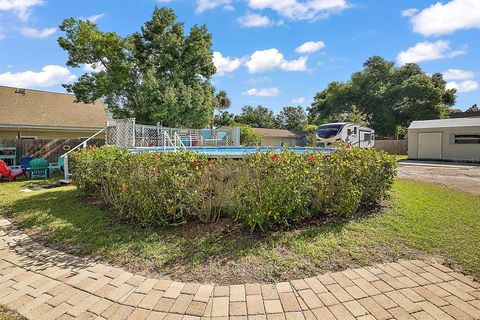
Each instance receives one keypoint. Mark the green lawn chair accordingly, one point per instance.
(57, 166)
(38, 168)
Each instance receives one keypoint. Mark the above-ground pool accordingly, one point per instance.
(231, 152)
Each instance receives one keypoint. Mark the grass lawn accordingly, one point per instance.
(7, 314)
(421, 221)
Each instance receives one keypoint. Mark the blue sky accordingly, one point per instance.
(269, 52)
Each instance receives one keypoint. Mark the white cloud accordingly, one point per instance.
(96, 17)
(440, 19)
(229, 8)
(301, 9)
(225, 64)
(272, 59)
(93, 67)
(252, 20)
(298, 100)
(457, 74)
(409, 12)
(37, 33)
(50, 75)
(265, 92)
(310, 47)
(21, 8)
(463, 86)
(427, 51)
(204, 5)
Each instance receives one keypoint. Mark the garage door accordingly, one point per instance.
(430, 145)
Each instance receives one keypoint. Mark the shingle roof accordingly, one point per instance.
(48, 109)
(445, 123)
(279, 133)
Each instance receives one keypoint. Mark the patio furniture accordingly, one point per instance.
(38, 168)
(9, 155)
(11, 173)
(25, 162)
(208, 138)
(57, 166)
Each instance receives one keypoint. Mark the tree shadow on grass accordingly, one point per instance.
(61, 219)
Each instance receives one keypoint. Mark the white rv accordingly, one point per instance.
(354, 134)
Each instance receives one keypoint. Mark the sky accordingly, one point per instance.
(269, 52)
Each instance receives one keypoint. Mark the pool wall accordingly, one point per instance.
(233, 152)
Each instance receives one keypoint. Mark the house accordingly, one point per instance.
(35, 114)
(456, 139)
(279, 137)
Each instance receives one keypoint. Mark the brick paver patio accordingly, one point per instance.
(42, 283)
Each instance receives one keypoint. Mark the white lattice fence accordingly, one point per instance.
(126, 133)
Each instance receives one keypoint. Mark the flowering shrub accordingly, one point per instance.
(262, 190)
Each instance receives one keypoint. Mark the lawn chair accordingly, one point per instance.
(38, 168)
(11, 173)
(25, 162)
(57, 166)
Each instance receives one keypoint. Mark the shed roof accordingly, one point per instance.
(48, 109)
(279, 133)
(446, 123)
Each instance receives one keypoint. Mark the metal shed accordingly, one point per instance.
(446, 139)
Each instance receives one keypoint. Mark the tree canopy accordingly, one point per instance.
(389, 97)
(473, 108)
(257, 117)
(157, 75)
(292, 118)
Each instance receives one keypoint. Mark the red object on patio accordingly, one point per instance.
(9, 173)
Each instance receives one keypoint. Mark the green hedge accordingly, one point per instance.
(263, 190)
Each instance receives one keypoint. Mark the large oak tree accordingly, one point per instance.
(390, 97)
(157, 75)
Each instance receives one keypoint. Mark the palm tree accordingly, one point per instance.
(221, 101)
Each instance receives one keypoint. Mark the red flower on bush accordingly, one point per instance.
(274, 157)
(196, 163)
(325, 158)
(158, 155)
(347, 147)
(153, 170)
(311, 159)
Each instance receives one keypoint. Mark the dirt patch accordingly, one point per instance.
(461, 178)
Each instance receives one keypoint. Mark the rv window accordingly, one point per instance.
(349, 132)
(367, 137)
(328, 130)
(467, 139)
(355, 130)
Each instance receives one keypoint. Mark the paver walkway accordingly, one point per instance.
(42, 283)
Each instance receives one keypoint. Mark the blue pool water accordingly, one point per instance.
(233, 152)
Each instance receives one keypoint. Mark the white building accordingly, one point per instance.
(446, 139)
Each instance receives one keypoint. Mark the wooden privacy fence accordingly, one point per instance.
(46, 148)
(399, 147)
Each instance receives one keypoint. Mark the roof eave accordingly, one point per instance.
(42, 127)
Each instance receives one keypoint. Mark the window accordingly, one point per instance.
(367, 137)
(328, 130)
(355, 130)
(349, 132)
(467, 139)
(28, 138)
